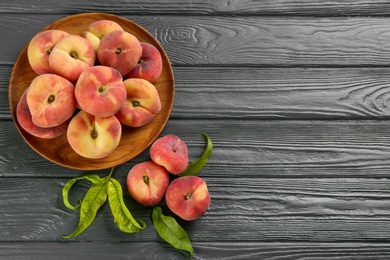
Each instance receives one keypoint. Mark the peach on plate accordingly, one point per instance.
(93, 137)
(188, 197)
(120, 50)
(71, 56)
(100, 91)
(137, 139)
(51, 100)
(96, 30)
(171, 152)
(147, 182)
(141, 105)
(40, 47)
(23, 116)
(149, 66)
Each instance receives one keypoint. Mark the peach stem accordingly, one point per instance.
(73, 54)
(94, 133)
(102, 89)
(145, 178)
(51, 99)
(188, 195)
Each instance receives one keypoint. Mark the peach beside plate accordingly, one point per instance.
(134, 140)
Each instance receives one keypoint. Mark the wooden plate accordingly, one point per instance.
(134, 140)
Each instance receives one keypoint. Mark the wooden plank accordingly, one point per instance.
(240, 41)
(281, 189)
(4, 83)
(297, 93)
(271, 93)
(200, 7)
(246, 148)
(209, 250)
(253, 209)
(92, 249)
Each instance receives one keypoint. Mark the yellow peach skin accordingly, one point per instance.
(100, 91)
(23, 116)
(40, 47)
(71, 56)
(141, 105)
(51, 100)
(147, 182)
(96, 30)
(93, 137)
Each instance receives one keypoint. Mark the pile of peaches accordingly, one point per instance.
(148, 182)
(88, 85)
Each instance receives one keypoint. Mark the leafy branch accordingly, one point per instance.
(109, 188)
(96, 196)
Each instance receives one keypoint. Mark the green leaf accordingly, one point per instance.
(169, 230)
(93, 200)
(122, 216)
(94, 178)
(197, 165)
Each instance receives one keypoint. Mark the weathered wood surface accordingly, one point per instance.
(242, 40)
(246, 148)
(208, 251)
(204, 7)
(278, 209)
(295, 97)
(273, 93)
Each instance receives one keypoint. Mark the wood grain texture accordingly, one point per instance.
(205, 251)
(247, 148)
(4, 84)
(297, 93)
(293, 94)
(240, 41)
(272, 93)
(201, 7)
(252, 210)
(91, 250)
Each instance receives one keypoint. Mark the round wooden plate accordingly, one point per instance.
(134, 140)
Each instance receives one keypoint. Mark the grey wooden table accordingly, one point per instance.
(295, 97)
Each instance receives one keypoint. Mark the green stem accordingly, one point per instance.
(111, 172)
